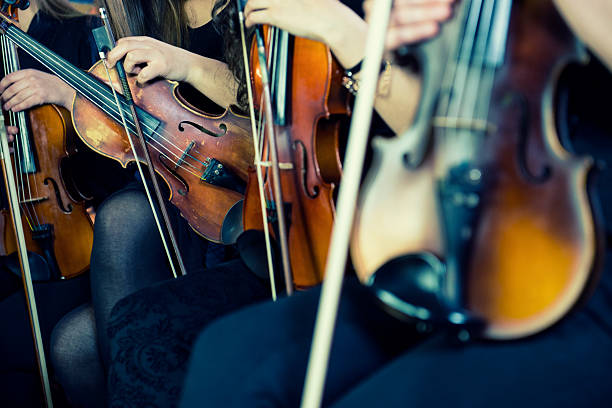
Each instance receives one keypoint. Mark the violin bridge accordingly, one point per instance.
(478, 125)
(282, 166)
(33, 200)
(180, 161)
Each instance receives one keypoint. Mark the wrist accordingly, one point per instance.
(191, 71)
(66, 95)
(347, 44)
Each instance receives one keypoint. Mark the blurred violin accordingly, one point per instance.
(491, 212)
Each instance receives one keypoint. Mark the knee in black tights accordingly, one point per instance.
(75, 358)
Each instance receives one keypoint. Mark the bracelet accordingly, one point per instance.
(351, 83)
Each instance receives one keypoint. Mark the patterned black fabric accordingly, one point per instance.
(152, 331)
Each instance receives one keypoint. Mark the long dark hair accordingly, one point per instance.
(165, 20)
(59, 9)
(225, 18)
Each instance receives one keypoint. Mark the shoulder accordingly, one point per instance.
(84, 22)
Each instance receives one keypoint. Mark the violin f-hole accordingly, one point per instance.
(522, 146)
(171, 167)
(222, 128)
(299, 148)
(60, 203)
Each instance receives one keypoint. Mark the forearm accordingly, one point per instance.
(398, 96)
(213, 79)
(591, 21)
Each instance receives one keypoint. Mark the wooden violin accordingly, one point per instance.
(492, 201)
(199, 156)
(310, 104)
(58, 226)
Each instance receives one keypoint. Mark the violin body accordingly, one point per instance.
(180, 149)
(308, 155)
(60, 229)
(534, 247)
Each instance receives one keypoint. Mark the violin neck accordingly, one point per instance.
(86, 85)
(26, 162)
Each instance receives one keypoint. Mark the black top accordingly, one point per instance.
(207, 41)
(70, 38)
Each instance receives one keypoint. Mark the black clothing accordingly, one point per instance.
(152, 331)
(565, 366)
(20, 384)
(95, 176)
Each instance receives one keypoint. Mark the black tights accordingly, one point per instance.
(127, 256)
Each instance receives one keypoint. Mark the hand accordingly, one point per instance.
(27, 88)
(149, 58)
(314, 19)
(414, 20)
(326, 21)
(11, 132)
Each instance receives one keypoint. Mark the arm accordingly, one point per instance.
(592, 23)
(336, 25)
(149, 58)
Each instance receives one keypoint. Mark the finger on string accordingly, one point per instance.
(146, 74)
(397, 3)
(262, 16)
(11, 78)
(12, 131)
(134, 58)
(408, 6)
(420, 14)
(33, 100)
(253, 5)
(410, 34)
(124, 46)
(17, 95)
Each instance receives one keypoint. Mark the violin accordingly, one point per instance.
(59, 229)
(494, 213)
(486, 221)
(311, 103)
(202, 158)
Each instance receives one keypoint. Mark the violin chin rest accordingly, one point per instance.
(39, 269)
(411, 288)
(232, 224)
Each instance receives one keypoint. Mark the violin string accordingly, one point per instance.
(24, 137)
(465, 58)
(96, 95)
(476, 77)
(16, 145)
(502, 16)
(453, 82)
(18, 120)
(112, 113)
(258, 155)
(101, 94)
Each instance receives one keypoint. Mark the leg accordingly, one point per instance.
(257, 357)
(565, 367)
(152, 331)
(128, 255)
(75, 358)
(20, 382)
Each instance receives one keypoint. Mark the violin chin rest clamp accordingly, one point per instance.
(411, 288)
